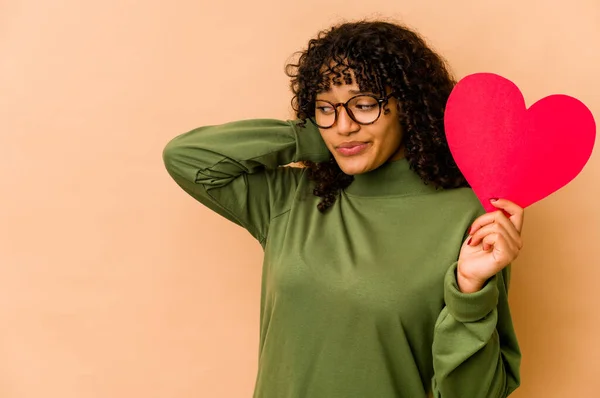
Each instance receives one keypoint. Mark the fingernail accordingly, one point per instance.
(493, 199)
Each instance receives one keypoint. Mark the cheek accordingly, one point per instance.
(389, 139)
(388, 144)
(395, 138)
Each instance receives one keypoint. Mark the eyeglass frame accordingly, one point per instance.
(380, 102)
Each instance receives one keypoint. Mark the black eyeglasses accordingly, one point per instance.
(363, 109)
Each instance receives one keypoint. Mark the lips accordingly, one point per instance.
(351, 148)
(351, 144)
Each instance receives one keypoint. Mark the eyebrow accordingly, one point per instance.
(351, 91)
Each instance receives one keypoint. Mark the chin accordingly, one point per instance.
(355, 165)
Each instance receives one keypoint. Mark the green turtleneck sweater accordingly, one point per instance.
(362, 301)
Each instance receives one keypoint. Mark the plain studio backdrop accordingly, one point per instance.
(114, 283)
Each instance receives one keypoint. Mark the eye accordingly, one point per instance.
(364, 104)
(365, 107)
(324, 108)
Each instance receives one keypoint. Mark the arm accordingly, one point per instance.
(475, 349)
(233, 168)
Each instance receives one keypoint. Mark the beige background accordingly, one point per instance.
(114, 283)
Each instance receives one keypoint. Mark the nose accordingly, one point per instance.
(345, 124)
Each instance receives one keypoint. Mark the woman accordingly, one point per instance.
(382, 275)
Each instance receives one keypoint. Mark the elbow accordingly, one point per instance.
(171, 152)
(172, 156)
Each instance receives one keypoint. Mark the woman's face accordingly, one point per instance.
(360, 148)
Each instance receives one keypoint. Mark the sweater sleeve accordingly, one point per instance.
(475, 349)
(234, 170)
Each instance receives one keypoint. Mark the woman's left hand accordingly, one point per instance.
(494, 242)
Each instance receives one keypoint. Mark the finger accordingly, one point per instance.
(509, 227)
(489, 241)
(497, 229)
(481, 221)
(515, 212)
(490, 218)
(502, 252)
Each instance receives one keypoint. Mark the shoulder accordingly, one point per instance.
(463, 195)
(462, 200)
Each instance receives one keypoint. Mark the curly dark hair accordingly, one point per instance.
(380, 55)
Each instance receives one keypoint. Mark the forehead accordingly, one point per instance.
(342, 77)
(341, 91)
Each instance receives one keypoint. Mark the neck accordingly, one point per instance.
(393, 178)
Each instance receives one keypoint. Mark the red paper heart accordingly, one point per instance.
(505, 150)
